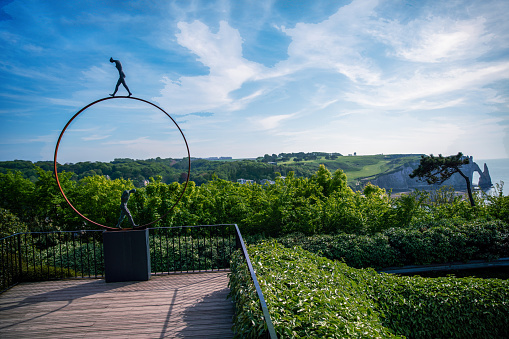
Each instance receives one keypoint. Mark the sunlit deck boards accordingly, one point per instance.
(170, 306)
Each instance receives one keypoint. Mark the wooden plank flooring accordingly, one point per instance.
(172, 306)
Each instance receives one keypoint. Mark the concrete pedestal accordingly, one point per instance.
(126, 255)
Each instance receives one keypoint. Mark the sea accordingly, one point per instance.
(499, 172)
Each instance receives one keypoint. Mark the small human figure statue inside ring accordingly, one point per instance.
(121, 77)
(123, 208)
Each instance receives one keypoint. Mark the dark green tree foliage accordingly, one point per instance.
(322, 203)
(17, 193)
(330, 183)
(202, 171)
(436, 170)
(498, 205)
(10, 224)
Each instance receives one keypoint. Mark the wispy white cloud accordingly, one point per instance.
(271, 122)
(334, 44)
(65, 102)
(426, 87)
(137, 141)
(431, 62)
(33, 73)
(95, 137)
(90, 129)
(221, 52)
(43, 138)
(436, 39)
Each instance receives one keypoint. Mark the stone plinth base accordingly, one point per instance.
(126, 255)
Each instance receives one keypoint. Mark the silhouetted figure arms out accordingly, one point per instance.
(121, 77)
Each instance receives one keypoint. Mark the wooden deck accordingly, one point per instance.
(172, 306)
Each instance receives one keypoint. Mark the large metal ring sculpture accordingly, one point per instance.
(81, 111)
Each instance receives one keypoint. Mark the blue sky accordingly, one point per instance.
(245, 78)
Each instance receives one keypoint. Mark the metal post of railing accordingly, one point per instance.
(3, 263)
(54, 252)
(167, 266)
(217, 247)
(60, 254)
(5, 266)
(186, 245)
(224, 246)
(33, 254)
(263, 304)
(211, 250)
(237, 241)
(158, 236)
(19, 258)
(25, 242)
(67, 256)
(41, 256)
(95, 257)
(173, 255)
(198, 256)
(180, 251)
(81, 253)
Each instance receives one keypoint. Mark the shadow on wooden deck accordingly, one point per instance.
(171, 306)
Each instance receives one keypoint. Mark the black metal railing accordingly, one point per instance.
(271, 332)
(191, 248)
(41, 256)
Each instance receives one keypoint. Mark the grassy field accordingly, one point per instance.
(360, 166)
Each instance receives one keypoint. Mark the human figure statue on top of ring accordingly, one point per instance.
(121, 77)
(123, 208)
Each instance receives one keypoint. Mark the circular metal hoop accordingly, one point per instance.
(81, 111)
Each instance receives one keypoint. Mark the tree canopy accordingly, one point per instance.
(436, 170)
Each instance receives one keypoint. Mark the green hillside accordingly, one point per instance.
(356, 167)
(203, 170)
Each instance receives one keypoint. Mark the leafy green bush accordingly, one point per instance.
(356, 250)
(248, 318)
(187, 253)
(45, 272)
(320, 203)
(10, 224)
(14, 272)
(307, 296)
(420, 245)
(311, 296)
(444, 307)
(461, 242)
(85, 255)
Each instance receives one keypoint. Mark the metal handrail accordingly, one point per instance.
(20, 255)
(20, 251)
(241, 245)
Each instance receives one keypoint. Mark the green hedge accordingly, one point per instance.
(420, 245)
(444, 307)
(307, 296)
(311, 296)
(248, 319)
(86, 258)
(187, 253)
(10, 272)
(45, 272)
